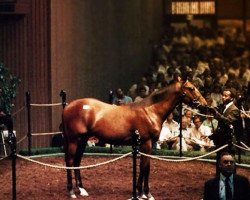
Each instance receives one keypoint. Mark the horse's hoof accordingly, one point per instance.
(83, 192)
(150, 196)
(72, 194)
(146, 196)
(142, 196)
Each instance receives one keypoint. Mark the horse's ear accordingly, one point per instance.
(179, 79)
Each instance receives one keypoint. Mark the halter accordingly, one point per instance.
(195, 102)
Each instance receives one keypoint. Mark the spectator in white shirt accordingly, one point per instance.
(186, 137)
(169, 132)
(199, 135)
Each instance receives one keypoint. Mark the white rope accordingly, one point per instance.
(21, 139)
(53, 104)
(185, 159)
(195, 112)
(240, 147)
(41, 134)
(15, 113)
(81, 167)
(245, 112)
(245, 145)
(4, 158)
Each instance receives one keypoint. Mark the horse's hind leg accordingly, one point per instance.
(142, 193)
(144, 172)
(81, 145)
(140, 181)
(70, 149)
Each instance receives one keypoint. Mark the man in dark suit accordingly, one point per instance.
(229, 123)
(228, 185)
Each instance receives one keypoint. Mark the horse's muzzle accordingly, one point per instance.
(198, 105)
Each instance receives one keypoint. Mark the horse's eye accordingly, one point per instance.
(191, 88)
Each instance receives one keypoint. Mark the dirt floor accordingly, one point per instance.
(168, 180)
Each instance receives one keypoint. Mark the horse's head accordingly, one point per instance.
(191, 95)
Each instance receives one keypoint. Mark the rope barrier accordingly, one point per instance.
(41, 134)
(46, 104)
(185, 159)
(29, 105)
(123, 156)
(245, 112)
(197, 113)
(3, 158)
(81, 167)
(21, 109)
(245, 145)
(21, 139)
(240, 147)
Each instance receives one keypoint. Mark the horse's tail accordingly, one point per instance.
(61, 126)
(63, 130)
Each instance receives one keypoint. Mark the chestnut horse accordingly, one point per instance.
(85, 118)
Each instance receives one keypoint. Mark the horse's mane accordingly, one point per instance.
(156, 96)
(159, 95)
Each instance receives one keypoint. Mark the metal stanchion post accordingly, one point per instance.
(29, 122)
(111, 97)
(239, 152)
(180, 129)
(135, 144)
(12, 143)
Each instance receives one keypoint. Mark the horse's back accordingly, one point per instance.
(79, 114)
(85, 104)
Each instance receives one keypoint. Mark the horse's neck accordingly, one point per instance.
(164, 108)
(171, 99)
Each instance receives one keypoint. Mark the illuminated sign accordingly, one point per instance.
(192, 7)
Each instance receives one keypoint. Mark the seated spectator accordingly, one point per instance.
(152, 87)
(120, 98)
(210, 101)
(161, 81)
(228, 185)
(223, 76)
(134, 88)
(189, 115)
(210, 121)
(199, 135)
(216, 93)
(186, 136)
(169, 132)
(142, 93)
(93, 141)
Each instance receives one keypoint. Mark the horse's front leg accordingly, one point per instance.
(144, 172)
(82, 141)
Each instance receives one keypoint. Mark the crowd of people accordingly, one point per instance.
(213, 60)
(218, 64)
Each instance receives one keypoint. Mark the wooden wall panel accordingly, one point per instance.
(230, 9)
(25, 51)
(84, 46)
(101, 45)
